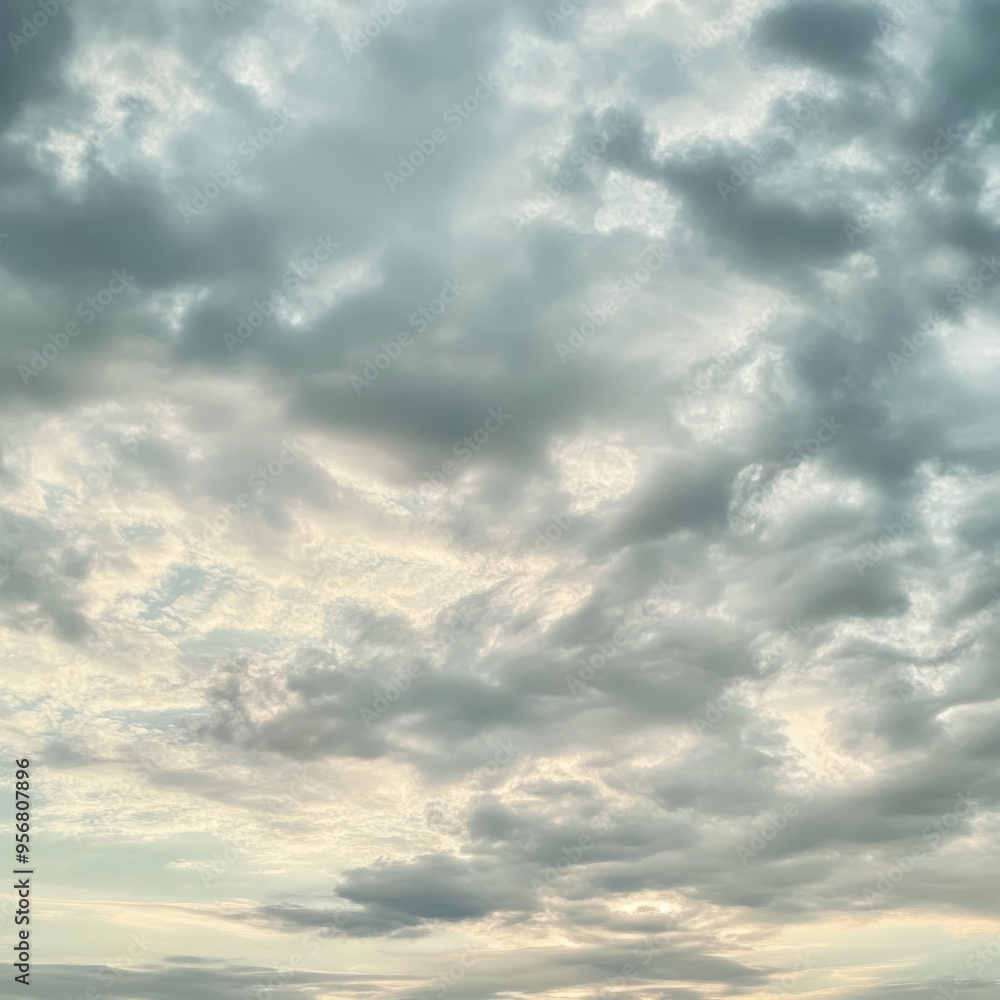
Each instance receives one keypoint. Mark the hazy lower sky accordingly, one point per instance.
(500, 499)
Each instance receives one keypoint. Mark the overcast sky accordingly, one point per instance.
(499, 499)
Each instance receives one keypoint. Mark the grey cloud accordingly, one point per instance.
(834, 36)
(780, 675)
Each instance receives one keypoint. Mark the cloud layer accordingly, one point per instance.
(499, 499)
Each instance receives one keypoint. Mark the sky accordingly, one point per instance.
(499, 499)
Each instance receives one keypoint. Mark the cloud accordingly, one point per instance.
(837, 37)
(696, 642)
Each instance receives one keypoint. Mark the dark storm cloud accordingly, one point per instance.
(832, 36)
